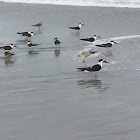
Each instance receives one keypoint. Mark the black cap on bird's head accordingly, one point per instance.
(13, 45)
(102, 60)
(96, 36)
(81, 24)
(55, 38)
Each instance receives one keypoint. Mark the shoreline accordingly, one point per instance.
(104, 6)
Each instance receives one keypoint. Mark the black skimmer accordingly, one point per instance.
(85, 54)
(27, 34)
(8, 48)
(78, 27)
(40, 24)
(94, 68)
(107, 45)
(56, 41)
(7, 53)
(30, 44)
(91, 39)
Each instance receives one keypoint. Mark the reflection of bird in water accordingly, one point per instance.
(57, 51)
(108, 53)
(77, 34)
(92, 83)
(32, 52)
(85, 54)
(8, 59)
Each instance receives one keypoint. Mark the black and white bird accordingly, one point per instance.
(40, 24)
(91, 39)
(56, 41)
(30, 44)
(7, 53)
(77, 27)
(94, 68)
(27, 34)
(85, 54)
(8, 48)
(107, 45)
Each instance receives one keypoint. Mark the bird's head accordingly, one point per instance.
(13, 45)
(28, 42)
(96, 36)
(113, 42)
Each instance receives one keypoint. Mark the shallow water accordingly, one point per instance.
(43, 96)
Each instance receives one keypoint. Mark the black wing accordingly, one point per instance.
(6, 47)
(88, 39)
(38, 25)
(76, 28)
(99, 45)
(57, 42)
(93, 68)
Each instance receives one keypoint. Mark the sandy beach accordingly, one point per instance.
(43, 96)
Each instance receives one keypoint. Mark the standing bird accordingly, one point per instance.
(8, 48)
(94, 68)
(56, 41)
(30, 44)
(91, 39)
(107, 45)
(40, 24)
(85, 54)
(78, 27)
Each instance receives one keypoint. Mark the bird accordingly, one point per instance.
(7, 53)
(30, 44)
(27, 34)
(94, 68)
(91, 39)
(8, 48)
(107, 45)
(85, 54)
(40, 24)
(56, 41)
(77, 27)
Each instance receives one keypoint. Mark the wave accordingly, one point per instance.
(103, 3)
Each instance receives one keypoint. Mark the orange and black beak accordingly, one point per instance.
(105, 61)
(98, 36)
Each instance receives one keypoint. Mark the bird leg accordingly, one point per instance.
(83, 60)
(96, 75)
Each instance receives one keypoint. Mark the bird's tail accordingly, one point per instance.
(83, 39)
(93, 52)
(99, 45)
(38, 44)
(19, 33)
(71, 27)
(81, 69)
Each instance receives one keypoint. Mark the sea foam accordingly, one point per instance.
(104, 3)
